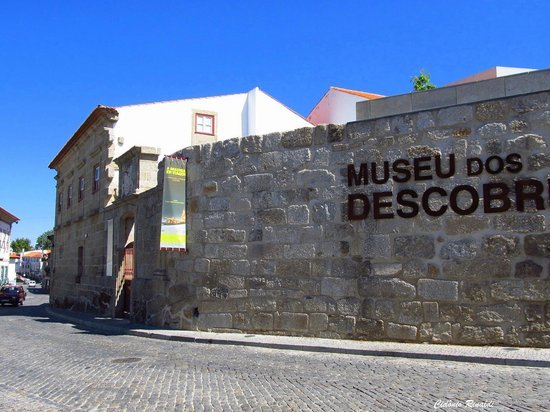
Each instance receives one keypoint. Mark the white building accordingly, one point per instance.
(7, 270)
(492, 73)
(31, 263)
(176, 124)
(337, 106)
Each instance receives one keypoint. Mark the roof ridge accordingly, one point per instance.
(358, 92)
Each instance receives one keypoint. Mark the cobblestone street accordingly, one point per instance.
(56, 366)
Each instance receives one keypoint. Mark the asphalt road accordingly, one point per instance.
(49, 365)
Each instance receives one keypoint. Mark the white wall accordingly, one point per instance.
(336, 107)
(5, 232)
(271, 115)
(492, 73)
(7, 274)
(12, 276)
(168, 125)
(31, 264)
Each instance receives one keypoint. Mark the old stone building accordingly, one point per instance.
(426, 221)
(105, 165)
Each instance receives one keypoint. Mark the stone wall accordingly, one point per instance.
(280, 241)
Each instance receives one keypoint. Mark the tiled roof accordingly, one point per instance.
(35, 253)
(32, 254)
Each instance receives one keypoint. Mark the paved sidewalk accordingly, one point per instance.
(496, 355)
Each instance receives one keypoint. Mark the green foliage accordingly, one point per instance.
(43, 242)
(422, 82)
(20, 244)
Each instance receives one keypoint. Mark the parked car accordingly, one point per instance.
(12, 294)
(32, 283)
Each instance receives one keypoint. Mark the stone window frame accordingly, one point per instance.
(69, 195)
(202, 137)
(81, 188)
(96, 177)
(60, 201)
(200, 115)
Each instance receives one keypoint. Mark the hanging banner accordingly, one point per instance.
(174, 216)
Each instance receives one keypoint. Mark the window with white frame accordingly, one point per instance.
(205, 124)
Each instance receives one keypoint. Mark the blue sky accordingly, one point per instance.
(60, 59)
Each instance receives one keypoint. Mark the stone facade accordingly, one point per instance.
(104, 168)
(79, 220)
(429, 226)
(90, 198)
(272, 248)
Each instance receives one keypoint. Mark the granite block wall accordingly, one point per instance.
(80, 223)
(430, 226)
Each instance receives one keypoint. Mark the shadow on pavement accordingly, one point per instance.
(86, 323)
(38, 310)
(24, 310)
(37, 291)
(83, 322)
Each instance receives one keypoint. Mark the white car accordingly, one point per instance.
(32, 283)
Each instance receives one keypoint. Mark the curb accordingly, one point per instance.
(296, 347)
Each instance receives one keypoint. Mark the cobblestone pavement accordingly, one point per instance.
(54, 366)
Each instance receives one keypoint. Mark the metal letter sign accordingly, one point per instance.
(174, 216)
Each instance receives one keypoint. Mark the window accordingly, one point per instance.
(60, 202)
(80, 189)
(80, 264)
(95, 186)
(69, 196)
(204, 124)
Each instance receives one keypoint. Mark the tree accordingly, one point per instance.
(422, 82)
(20, 244)
(43, 242)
